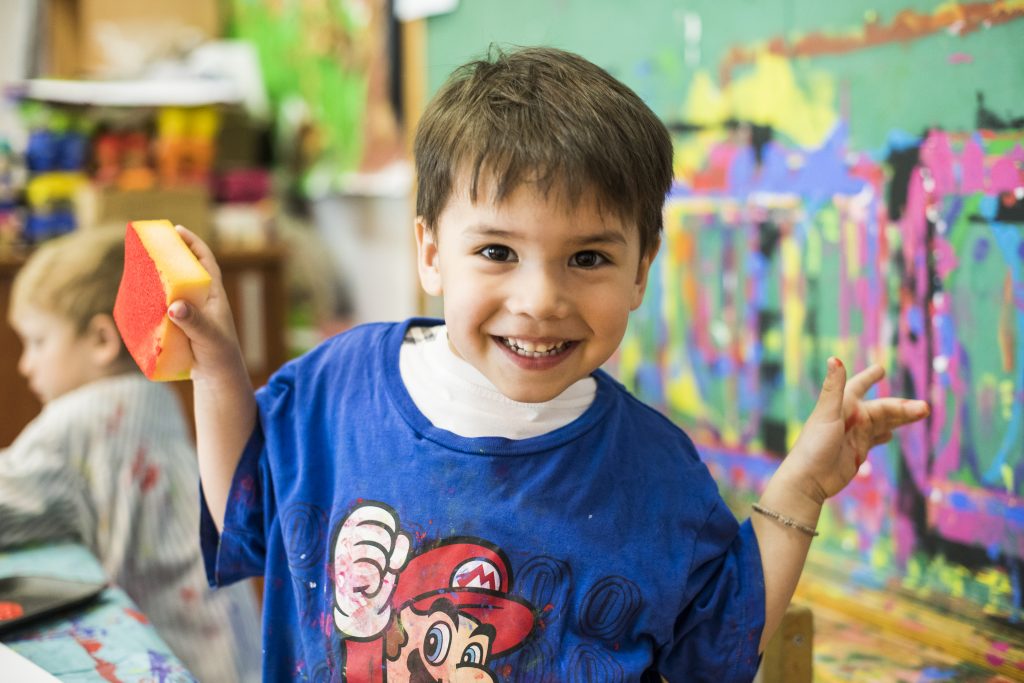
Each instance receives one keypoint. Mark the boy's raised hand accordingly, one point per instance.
(209, 328)
(843, 427)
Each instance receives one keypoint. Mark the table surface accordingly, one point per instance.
(107, 640)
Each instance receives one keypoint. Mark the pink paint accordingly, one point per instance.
(945, 258)
(904, 538)
(1003, 176)
(961, 58)
(937, 156)
(972, 167)
(979, 518)
(947, 459)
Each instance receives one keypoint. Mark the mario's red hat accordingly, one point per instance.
(476, 578)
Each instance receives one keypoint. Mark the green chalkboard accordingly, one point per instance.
(657, 45)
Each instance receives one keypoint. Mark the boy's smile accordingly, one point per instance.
(537, 291)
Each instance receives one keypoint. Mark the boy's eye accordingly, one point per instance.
(497, 252)
(587, 259)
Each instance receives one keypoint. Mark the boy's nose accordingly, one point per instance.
(23, 364)
(538, 294)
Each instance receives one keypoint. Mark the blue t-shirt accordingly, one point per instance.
(392, 549)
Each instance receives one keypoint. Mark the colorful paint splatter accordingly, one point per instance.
(783, 246)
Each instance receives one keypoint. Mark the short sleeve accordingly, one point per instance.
(718, 630)
(239, 550)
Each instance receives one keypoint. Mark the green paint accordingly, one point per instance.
(902, 86)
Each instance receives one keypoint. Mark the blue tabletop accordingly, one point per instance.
(108, 639)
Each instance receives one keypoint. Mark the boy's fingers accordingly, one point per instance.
(200, 249)
(830, 401)
(895, 412)
(865, 379)
(185, 316)
(884, 437)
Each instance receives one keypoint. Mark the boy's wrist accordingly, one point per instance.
(793, 496)
(227, 375)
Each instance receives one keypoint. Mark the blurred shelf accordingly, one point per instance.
(135, 93)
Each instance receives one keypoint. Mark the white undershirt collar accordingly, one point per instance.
(457, 397)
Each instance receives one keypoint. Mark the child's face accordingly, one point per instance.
(55, 359)
(537, 293)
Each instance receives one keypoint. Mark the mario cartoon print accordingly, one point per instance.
(443, 615)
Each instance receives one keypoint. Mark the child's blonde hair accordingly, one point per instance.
(75, 276)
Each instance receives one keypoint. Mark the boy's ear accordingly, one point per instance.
(428, 258)
(642, 271)
(105, 340)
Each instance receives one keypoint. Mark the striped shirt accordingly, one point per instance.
(111, 465)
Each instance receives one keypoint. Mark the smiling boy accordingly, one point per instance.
(603, 551)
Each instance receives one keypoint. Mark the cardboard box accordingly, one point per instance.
(186, 205)
(117, 39)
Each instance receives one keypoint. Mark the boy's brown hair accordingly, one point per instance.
(548, 117)
(74, 276)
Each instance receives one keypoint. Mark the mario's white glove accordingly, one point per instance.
(369, 552)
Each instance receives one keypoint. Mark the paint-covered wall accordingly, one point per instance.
(850, 181)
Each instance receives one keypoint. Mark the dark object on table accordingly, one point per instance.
(25, 598)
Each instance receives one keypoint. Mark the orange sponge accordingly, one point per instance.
(159, 268)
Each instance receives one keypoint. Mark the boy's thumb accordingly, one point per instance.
(182, 314)
(830, 401)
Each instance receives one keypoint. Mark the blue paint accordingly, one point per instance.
(933, 673)
(1008, 239)
(961, 501)
(980, 250)
(915, 320)
(898, 141)
(988, 207)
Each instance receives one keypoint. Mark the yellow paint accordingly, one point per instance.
(793, 310)
(828, 223)
(705, 104)
(1007, 473)
(880, 559)
(813, 259)
(996, 580)
(730, 436)
(770, 96)
(793, 428)
(692, 151)
(630, 356)
(1006, 398)
(852, 248)
(1005, 335)
(682, 395)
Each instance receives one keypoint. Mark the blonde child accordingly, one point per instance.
(109, 461)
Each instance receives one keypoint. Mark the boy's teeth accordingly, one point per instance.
(528, 348)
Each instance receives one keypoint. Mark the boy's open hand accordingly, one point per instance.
(842, 429)
(209, 328)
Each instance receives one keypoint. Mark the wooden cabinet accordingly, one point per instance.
(17, 404)
(254, 281)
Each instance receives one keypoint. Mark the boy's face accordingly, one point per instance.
(55, 359)
(537, 293)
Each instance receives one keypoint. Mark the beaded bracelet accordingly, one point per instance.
(785, 521)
